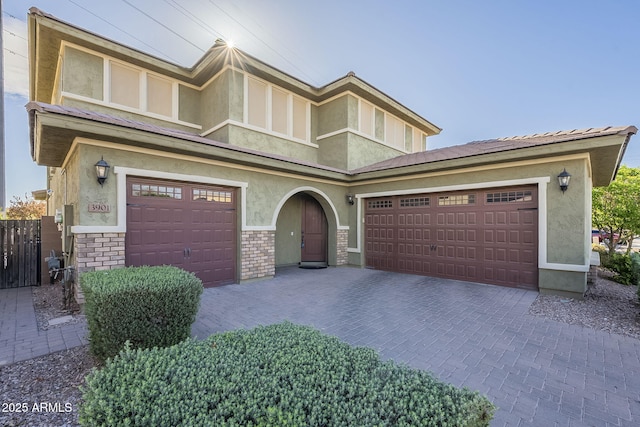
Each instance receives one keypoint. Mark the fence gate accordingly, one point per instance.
(20, 250)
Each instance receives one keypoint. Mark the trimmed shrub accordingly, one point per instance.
(279, 375)
(147, 306)
(626, 267)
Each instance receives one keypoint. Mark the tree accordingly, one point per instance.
(25, 209)
(616, 208)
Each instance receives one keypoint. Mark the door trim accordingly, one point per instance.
(121, 195)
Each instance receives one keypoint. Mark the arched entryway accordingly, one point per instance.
(303, 232)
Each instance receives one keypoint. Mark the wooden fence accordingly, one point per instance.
(20, 253)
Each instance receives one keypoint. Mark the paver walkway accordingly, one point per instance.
(20, 338)
(538, 372)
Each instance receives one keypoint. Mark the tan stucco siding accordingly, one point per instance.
(115, 112)
(90, 190)
(353, 120)
(333, 151)
(189, 105)
(214, 102)
(288, 236)
(82, 73)
(333, 115)
(65, 184)
(363, 152)
(270, 143)
(564, 283)
(236, 95)
(566, 215)
(379, 125)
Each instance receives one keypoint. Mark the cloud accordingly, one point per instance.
(16, 62)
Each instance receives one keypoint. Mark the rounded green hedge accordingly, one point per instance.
(147, 306)
(279, 375)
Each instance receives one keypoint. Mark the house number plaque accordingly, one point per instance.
(99, 207)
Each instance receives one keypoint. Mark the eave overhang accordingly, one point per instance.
(52, 135)
(605, 150)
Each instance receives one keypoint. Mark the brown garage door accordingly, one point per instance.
(487, 236)
(188, 225)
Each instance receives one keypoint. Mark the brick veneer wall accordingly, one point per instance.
(342, 240)
(258, 254)
(97, 251)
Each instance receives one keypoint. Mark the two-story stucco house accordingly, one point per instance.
(231, 168)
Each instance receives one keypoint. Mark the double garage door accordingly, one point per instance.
(487, 236)
(187, 225)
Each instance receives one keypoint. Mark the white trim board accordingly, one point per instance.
(121, 196)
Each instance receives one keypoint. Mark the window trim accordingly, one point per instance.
(106, 88)
(269, 112)
(386, 141)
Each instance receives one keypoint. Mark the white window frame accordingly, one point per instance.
(387, 140)
(142, 95)
(269, 112)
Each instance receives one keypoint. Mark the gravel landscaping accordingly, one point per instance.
(51, 382)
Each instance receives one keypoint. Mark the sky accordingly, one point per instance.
(476, 69)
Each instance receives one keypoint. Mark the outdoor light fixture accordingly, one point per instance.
(350, 199)
(563, 180)
(102, 171)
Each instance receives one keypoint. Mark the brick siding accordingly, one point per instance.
(97, 251)
(258, 254)
(342, 242)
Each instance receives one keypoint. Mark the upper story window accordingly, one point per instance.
(390, 130)
(140, 90)
(367, 119)
(124, 85)
(394, 132)
(89, 76)
(276, 110)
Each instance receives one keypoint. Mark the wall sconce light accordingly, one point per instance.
(102, 171)
(350, 199)
(563, 180)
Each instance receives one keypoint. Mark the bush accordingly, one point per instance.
(626, 267)
(279, 375)
(147, 306)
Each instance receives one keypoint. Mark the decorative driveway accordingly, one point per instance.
(537, 371)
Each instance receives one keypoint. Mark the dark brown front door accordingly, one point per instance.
(487, 236)
(187, 225)
(314, 231)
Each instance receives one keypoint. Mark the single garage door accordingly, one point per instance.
(487, 236)
(187, 225)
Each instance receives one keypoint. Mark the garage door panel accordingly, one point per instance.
(514, 217)
(489, 218)
(182, 224)
(528, 237)
(487, 236)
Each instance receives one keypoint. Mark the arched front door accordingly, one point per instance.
(313, 233)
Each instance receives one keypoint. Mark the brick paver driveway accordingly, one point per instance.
(538, 372)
